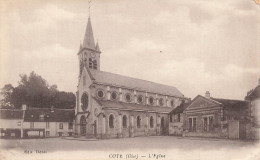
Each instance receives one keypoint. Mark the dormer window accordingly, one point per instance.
(41, 117)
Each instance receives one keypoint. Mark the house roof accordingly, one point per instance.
(106, 104)
(230, 102)
(134, 83)
(222, 102)
(255, 93)
(180, 108)
(55, 115)
(11, 114)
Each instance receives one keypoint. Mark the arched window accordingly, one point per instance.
(90, 63)
(138, 122)
(84, 101)
(95, 64)
(124, 121)
(151, 122)
(111, 121)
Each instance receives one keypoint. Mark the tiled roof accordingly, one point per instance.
(11, 114)
(57, 115)
(255, 93)
(230, 102)
(222, 102)
(180, 108)
(134, 83)
(133, 107)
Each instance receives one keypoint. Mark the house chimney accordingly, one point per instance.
(207, 94)
(24, 107)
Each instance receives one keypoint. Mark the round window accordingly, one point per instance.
(160, 101)
(151, 100)
(100, 94)
(114, 95)
(84, 101)
(172, 103)
(128, 97)
(140, 99)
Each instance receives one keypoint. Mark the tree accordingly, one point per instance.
(34, 91)
(6, 93)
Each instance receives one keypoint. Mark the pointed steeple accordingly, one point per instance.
(89, 37)
(97, 47)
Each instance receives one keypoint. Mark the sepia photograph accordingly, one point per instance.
(129, 79)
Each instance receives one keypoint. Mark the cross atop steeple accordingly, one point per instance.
(89, 5)
(89, 51)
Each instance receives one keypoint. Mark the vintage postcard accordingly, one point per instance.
(129, 79)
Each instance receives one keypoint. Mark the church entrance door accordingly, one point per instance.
(83, 124)
(162, 126)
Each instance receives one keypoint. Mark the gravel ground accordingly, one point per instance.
(138, 143)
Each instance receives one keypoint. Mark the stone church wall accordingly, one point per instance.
(131, 130)
(121, 93)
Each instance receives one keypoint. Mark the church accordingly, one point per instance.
(110, 105)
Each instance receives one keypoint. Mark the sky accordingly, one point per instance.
(205, 45)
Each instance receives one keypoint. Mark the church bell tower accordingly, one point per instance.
(89, 52)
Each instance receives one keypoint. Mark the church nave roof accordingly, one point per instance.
(106, 104)
(134, 83)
